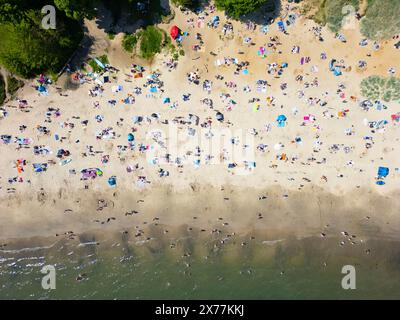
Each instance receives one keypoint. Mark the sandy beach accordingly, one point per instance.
(312, 174)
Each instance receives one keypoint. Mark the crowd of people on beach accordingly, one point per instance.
(143, 83)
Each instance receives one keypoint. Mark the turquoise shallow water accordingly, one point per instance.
(192, 266)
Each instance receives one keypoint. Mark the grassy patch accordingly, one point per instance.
(130, 41)
(150, 42)
(381, 20)
(328, 12)
(381, 88)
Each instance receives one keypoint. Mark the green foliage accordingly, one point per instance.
(330, 12)
(381, 88)
(111, 35)
(77, 9)
(13, 84)
(150, 43)
(2, 90)
(185, 3)
(26, 48)
(381, 20)
(130, 41)
(237, 8)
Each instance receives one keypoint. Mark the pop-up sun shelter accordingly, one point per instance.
(174, 32)
(383, 172)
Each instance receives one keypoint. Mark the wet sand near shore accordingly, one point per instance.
(277, 211)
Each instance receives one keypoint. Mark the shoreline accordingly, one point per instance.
(277, 211)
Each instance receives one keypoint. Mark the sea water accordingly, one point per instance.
(191, 265)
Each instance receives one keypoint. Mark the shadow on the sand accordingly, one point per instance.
(268, 11)
(84, 50)
(124, 17)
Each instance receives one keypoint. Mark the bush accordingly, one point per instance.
(237, 8)
(150, 42)
(381, 88)
(129, 42)
(111, 35)
(381, 20)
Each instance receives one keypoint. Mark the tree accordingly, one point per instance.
(77, 9)
(237, 8)
(26, 48)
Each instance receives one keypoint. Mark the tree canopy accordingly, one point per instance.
(77, 9)
(28, 49)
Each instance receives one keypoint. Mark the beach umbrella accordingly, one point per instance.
(174, 32)
(131, 137)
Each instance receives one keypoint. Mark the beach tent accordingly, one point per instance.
(383, 172)
(174, 32)
(220, 116)
(112, 181)
(281, 119)
(131, 137)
